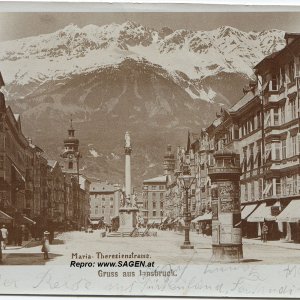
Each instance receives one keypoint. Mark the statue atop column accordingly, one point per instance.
(127, 140)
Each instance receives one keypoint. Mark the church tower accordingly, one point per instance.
(169, 161)
(71, 154)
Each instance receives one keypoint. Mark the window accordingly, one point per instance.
(258, 120)
(283, 186)
(282, 72)
(268, 153)
(260, 188)
(291, 71)
(153, 187)
(293, 109)
(258, 155)
(283, 145)
(161, 196)
(295, 184)
(267, 119)
(268, 191)
(282, 114)
(1, 162)
(277, 150)
(294, 145)
(96, 210)
(278, 187)
(246, 192)
(154, 213)
(252, 190)
(161, 187)
(276, 117)
(154, 204)
(244, 166)
(274, 83)
(161, 205)
(251, 157)
(161, 213)
(70, 165)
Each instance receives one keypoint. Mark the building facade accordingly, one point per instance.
(154, 190)
(104, 201)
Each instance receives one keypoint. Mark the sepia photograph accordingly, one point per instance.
(150, 152)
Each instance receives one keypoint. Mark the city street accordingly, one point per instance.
(163, 249)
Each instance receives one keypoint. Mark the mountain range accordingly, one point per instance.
(157, 84)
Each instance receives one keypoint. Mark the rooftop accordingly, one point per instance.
(159, 179)
(99, 187)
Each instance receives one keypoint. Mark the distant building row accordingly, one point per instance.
(263, 127)
(33, 189)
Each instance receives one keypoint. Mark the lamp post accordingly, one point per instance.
(186, 181)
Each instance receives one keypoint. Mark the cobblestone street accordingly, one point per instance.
(163, 249)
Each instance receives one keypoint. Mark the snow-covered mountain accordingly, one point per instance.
(122, 77)
(187, 56)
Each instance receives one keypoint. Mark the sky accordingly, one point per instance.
(14, 25)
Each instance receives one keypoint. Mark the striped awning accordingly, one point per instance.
(261, 214)
(206, 217)
(247, 211)
(291, 213)
(5, 217)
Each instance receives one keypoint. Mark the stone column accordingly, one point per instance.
(226, 208)
(128, 212)
(128, 173)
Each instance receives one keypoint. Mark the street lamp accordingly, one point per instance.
(186, 181)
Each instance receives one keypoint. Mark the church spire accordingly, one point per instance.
(71, 130)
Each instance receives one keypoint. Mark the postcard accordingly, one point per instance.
(149, 150)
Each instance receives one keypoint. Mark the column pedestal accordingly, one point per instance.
(128, 219)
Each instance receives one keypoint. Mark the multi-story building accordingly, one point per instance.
(104, 201)
(263, 128)
(20, 199)
(154, 190)
(84, 200)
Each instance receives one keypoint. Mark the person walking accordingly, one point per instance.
(4, 232)
(46, 244)
(265, 232)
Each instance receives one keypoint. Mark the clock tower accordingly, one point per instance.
(71, 154)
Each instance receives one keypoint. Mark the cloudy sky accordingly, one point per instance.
(15, 25)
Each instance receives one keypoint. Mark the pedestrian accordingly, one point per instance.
(4, 232)
(264, 232)
(46, 245)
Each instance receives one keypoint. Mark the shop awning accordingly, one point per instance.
(205, 217)
(5, 217)
(261, 214)
(154, 221)
(164, 219)
(247, 211)
(291, 213)
(27, 220)
(94, 222)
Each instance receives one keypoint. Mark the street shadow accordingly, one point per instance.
(57, 242)
(35, 243)
(22, 259)
(250, 260)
